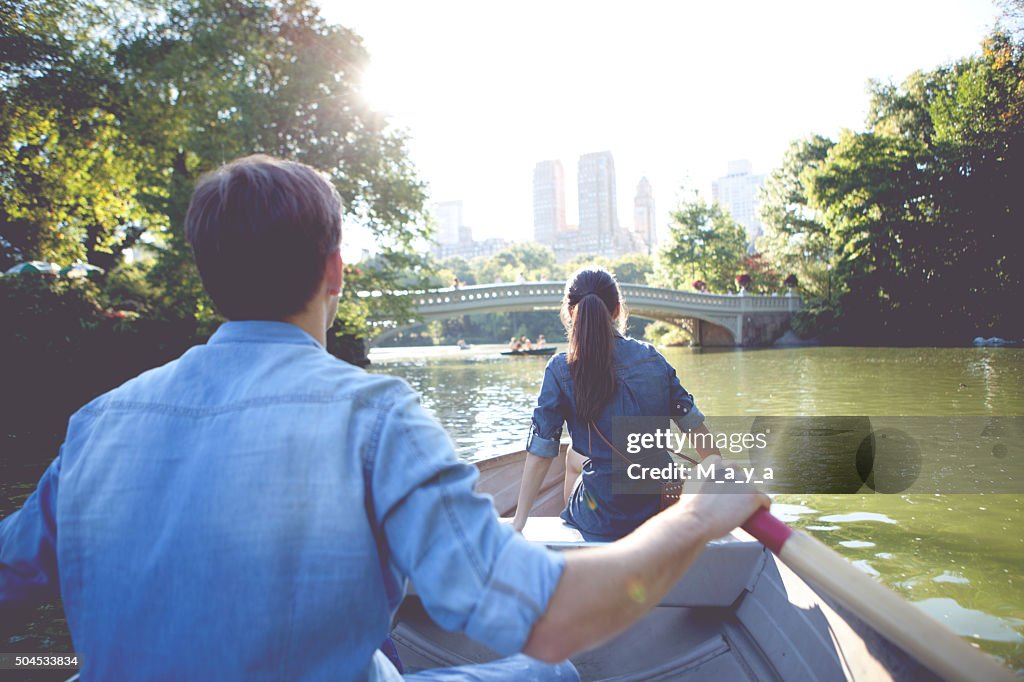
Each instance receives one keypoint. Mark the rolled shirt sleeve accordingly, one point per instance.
(474, 574)
(682, 409)
(548, 417)
(28, 545)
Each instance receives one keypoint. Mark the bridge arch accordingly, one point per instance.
(748, 320)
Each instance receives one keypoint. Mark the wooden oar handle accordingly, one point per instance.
(909, 628)
(771, 532)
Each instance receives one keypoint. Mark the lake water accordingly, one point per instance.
(960, 557)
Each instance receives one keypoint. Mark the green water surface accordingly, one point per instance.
(960, 557)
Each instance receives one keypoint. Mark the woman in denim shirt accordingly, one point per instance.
(602, 375)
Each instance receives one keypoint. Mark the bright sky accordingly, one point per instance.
(674, 89)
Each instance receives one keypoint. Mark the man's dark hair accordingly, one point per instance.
(261, 230)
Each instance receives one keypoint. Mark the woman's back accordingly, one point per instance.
(601, 378)
(646, 385)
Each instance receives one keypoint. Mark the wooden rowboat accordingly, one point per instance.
(545, 351)
(737, 614)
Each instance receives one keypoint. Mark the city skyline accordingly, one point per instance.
(675, 91)
(600, 230)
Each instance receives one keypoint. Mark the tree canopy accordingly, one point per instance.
(920, 214)
(704, 243)
(111, 112)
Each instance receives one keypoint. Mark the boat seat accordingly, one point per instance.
(725, 569)
(721, 574)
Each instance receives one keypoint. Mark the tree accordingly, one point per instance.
(704, 243)
(72, 178)
(229, 79)
(795, 240)
(534, 261)
(632, 268)
(111, 111)
(923, 210)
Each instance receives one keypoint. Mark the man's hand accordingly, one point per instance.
(719, 511)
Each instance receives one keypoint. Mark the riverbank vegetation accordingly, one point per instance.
(905, 233)
(909, 232)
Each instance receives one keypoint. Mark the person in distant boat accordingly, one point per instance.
(524, 342)
(257, 507)
(514, 343)
(602, 375)
(456, 282)
(541, 341)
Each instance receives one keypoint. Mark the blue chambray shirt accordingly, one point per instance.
(252, 511)
(646, 386)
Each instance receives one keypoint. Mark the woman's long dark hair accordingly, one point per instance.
(592, 311)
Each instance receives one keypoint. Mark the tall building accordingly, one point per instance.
(645, 222)
(448, 215)
(737, 191)
(599, 219)
(548, 201)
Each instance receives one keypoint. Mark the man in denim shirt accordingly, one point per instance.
(254, 509)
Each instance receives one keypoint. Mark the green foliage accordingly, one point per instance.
(533, 261)
(630, 268)
(920, 214)
(633, 268)
(704, 243)
(665, 334)
(72, 178)
(110, 112)
(795, 240)
(816, 321)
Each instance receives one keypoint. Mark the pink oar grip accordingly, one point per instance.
(771, 532)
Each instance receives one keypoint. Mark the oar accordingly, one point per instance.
(936, 646)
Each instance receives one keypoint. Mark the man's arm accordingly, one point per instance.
(28, 545)
(472, 573)
(604, 590)
(476, 575)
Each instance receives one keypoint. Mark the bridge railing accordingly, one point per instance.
(551, 292)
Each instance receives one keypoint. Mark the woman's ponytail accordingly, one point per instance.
(591, 298)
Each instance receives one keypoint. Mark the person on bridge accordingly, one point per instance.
(602, 375)
(255, 508)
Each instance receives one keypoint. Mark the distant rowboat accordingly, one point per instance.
(738, 614)
(546, 350)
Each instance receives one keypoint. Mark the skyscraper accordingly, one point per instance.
(737, 191)
(644, 220)
(548, 201)
(448, 215)
(597, 201)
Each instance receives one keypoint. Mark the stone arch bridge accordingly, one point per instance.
(713, 319)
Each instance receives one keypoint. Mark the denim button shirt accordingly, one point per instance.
(646, 386)
(252, 511)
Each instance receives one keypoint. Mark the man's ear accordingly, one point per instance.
(334, 274)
